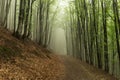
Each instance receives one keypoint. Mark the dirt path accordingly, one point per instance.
(26, 60)
(77, 70)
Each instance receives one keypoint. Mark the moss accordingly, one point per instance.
(8, 53)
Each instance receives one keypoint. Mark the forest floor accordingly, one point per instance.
(26, 60)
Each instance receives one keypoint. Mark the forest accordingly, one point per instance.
(91, 28)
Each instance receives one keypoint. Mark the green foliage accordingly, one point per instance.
(95, 28)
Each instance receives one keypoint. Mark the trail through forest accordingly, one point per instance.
(77, 70)
(25, 60)
(31, 31)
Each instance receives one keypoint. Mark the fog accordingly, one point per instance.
(58, 38)
(58, 42)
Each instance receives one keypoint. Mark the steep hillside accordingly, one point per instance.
(25, 60)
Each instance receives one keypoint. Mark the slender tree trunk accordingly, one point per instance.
(103, 4)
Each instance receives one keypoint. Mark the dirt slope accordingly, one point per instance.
(25, 60)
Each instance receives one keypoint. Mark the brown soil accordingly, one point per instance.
(77, 70)
(26, 60)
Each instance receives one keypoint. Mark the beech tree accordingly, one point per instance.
(23, 24)
(94, 31)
